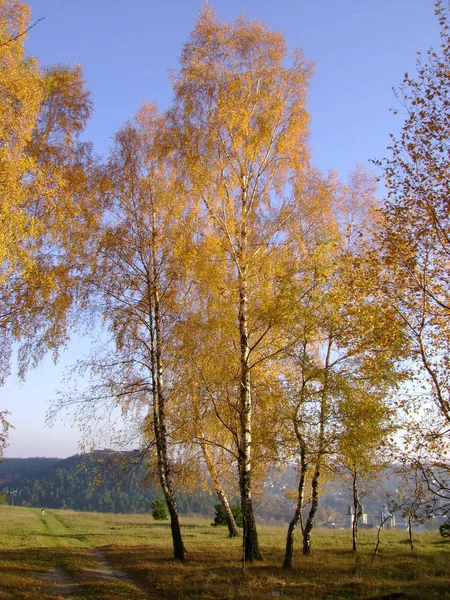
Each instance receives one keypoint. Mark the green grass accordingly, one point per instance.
(35, 549)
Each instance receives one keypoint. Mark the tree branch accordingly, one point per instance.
(21, 34)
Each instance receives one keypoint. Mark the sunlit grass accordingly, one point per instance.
(33, 544)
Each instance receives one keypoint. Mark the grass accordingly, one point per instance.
(52, 556)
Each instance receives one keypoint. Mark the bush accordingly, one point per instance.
(444, 529)
(159, 512)
(219, 517)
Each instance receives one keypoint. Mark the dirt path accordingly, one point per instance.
(64, 584)
(105, 570)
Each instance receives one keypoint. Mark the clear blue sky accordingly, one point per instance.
(128, 47)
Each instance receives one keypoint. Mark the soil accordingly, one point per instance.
(65, 584)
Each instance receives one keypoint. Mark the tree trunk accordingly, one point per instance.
(164, 473)
(214, 474)
(159, 410)
(312, 511)
(357, 512)
(410, 534)
(320, 453)
(165, 480)
(251, 550)
(289, 554)
(250, 537)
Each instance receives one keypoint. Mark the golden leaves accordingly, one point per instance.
(48, 206)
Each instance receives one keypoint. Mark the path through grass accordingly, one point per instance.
(66, 554)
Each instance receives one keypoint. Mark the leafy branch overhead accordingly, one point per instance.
(17, 36)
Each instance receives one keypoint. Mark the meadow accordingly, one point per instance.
(67, 554)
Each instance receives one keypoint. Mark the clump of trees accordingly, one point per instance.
(255, 312)
(444, 530)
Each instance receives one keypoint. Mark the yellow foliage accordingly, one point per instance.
(47, 198)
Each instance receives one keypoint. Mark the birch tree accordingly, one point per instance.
(242, 125)
(415, 253)
(49, 205)
(141, 284)
(344, 339)
(367, 422)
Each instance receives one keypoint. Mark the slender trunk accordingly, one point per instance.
(250, 537)
(312, 511)
(411, 541)
(215, 478)
(298, 516)
(379, 529)
(289, 554)
(165, 479)
(159, 411)
(320, 453)
(357, 511)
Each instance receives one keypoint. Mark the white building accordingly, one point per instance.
(387, 519)
(350, 517)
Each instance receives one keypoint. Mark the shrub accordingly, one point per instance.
(219, 517)
(159, 512)
(444, 529)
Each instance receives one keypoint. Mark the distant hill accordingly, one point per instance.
(277, 502)
(12, 469)
(87, 482)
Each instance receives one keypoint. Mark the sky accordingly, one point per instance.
(127, 50)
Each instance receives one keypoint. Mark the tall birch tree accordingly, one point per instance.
(49, 206)
(141, 285)
(415, 254)
(242, 124)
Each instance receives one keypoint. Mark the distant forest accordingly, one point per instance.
(88, 482)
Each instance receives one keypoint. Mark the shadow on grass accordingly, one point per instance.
(22, 571)
(326, 574)
(46, 574)
(214, 573)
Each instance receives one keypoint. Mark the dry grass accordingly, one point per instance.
(61, 542)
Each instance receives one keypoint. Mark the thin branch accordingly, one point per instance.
(19, 35)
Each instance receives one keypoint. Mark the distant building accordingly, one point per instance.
(363, 520)
(329, 523)
(387, 519)
(350, 517)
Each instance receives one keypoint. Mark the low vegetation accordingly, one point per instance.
(123, 557)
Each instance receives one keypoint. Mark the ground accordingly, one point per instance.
(71, 555)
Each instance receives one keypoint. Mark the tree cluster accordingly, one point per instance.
(86, 483)
(254, 312)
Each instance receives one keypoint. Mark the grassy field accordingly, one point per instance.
(66, 554)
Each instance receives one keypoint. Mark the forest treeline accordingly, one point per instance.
(103, 481)
(253, 313)
(90, 482)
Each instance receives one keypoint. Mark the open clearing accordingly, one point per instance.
(72, 555)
